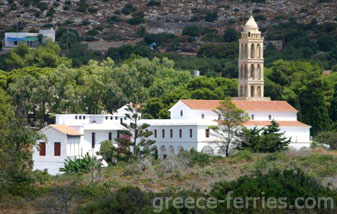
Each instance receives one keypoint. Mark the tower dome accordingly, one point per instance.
(251, 23)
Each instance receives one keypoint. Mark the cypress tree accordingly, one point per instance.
(333, 108)
(318, 114)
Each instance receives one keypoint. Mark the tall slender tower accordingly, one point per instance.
(251, 81)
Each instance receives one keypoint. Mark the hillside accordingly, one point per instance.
(121, 20)
(195, 173)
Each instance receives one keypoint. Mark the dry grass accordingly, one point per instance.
(319, 163)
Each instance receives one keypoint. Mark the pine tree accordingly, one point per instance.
(266, 139)
(135, 135)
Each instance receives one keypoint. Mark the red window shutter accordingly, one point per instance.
(57, 149)
(42, 149)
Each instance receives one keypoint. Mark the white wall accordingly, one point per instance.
(50, 162)
(82, 119)
(278, 116)
(185, 141)
(175, 111)
(101, 135)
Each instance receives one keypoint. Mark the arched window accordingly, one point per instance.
(241, 72)
(259, 71)
(248, 34)
(258, 54)
(252, 92)
(246, 50)
(180, 149)
(259, 91)
(252, 71)
(202, 116)
(241, 91)
(181, 113)
(207, 150)
(252, 51)
(242, 51)
(171, 149)
(246, 72)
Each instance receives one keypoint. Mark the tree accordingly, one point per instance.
(333, 107)
(266, 139)
(135, 133)
(192, 30)
(327, 138)
(108, 151)
(230, 122)
(317, 114)
(230, 35)
(16, 141)
(67, 37)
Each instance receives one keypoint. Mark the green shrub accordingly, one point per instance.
(125, 200)
(288, 183)
(42, 177)
(199, 158)
(82, 164)
(82, 6)
(128, 9)
(244, 155)
(153, 3)
(136, 20)
(192, 30)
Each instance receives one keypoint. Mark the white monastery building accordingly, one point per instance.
(188, 127)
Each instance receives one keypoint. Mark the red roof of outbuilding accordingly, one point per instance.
(281, 123)
(65, 130)
(247, 105)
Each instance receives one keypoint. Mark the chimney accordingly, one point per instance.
(196, 73)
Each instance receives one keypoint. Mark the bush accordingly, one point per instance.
(160, 38)
(128, 9)
(82, 164)
(192, 30)
(291, 184)
(244, 155)
(125, 200)
(327, 138)
(136, 20)
(82, 6)
(199, 158)
(42, 177)
(152, 3)
(211, 17)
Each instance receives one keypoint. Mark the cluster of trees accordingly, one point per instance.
(304, 87)
(93, 88)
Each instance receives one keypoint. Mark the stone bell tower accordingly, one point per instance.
(251, 81)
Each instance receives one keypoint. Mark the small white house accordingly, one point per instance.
(13, 39)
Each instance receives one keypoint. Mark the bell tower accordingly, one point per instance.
(251, 81)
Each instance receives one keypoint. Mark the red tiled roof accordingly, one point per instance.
(65, 130)
(281, 123)
(278, 106)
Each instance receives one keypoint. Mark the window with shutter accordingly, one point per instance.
(42, 149)
(57, 149)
